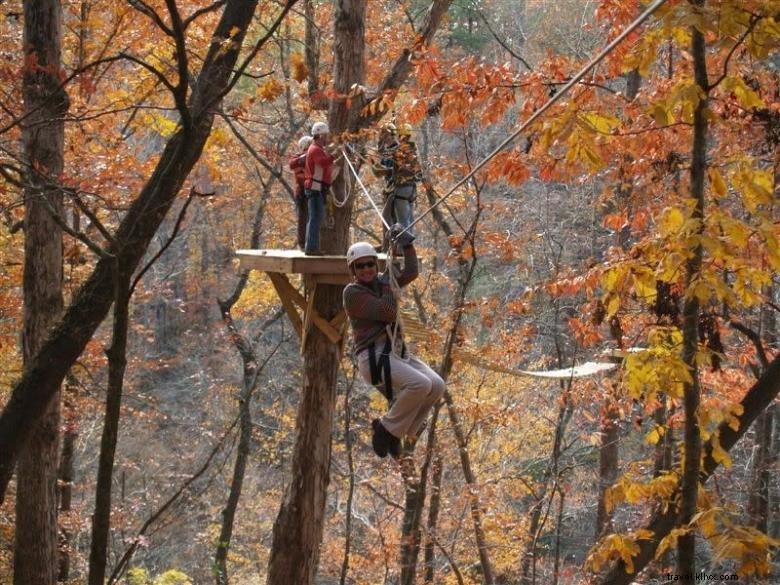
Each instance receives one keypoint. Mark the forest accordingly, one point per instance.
(598, 226)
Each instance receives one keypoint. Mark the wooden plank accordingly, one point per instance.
(282, 286)
(265, 261)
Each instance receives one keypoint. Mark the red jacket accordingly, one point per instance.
(318, 168)
(297, 164)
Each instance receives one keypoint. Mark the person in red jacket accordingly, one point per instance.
(297, 164)
(318, 175)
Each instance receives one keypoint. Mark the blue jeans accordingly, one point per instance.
(400, 207)
(316, 212)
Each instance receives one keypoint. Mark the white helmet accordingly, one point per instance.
(304, 142)
(360, 250)
(319, 128)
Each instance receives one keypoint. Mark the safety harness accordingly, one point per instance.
(380, 366)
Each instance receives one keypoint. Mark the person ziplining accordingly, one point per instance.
(411, 387)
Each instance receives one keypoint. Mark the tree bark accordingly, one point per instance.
(433, 518)
(608, 461)
(117, 361)
(298, 528)
(686, 548)
(66, 477)
(36, 538)
(757, 399)
(44, 373)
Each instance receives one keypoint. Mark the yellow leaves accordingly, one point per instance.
(719, 454)
(270, 89)
(636, 492)
(755, 186)
(746, 97)
(159, 123)
(655, 436)
(659, 368)
(671, 221)
(596, 122)
(614, 546)
(750, 547)
(765, 37)
(299, 70)
(680, 103)
(719, 188)
(669, 541)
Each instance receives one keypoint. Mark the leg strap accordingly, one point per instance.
(380, 369)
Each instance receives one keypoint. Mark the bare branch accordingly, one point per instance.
(201, 11)
(180, 91)
(144, 8)
(502, 42)
(153, 70)
(755, 338)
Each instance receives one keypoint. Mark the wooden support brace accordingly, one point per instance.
(290, 297)
(283, 289)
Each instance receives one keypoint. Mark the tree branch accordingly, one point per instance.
(147, 10)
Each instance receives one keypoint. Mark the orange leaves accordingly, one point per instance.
(298, 67)
(270, 90)
(510, 166)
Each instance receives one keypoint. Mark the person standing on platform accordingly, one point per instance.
(297, 164)
(318, 175)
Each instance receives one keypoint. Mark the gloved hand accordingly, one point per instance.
(399, 236)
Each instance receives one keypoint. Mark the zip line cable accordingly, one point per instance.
(572, 82)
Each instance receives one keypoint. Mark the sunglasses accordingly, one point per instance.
(362, 265)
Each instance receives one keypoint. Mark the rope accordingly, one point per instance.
(347, 190)
(574, 80)
(363, 187)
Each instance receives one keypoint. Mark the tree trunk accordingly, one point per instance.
(45, 372)
(66, 477)
(297, 532)
(36, 545)
(433, 518)
(117, 361)
(758, 499)
(608, 461)
(251, 370)
(686, 548)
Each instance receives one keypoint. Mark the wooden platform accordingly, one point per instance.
(329, 269)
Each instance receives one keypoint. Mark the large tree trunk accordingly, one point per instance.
(36, 546)
(298, 528)
(686, 549)
(45, 372)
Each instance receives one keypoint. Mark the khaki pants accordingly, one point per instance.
(416, 388)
